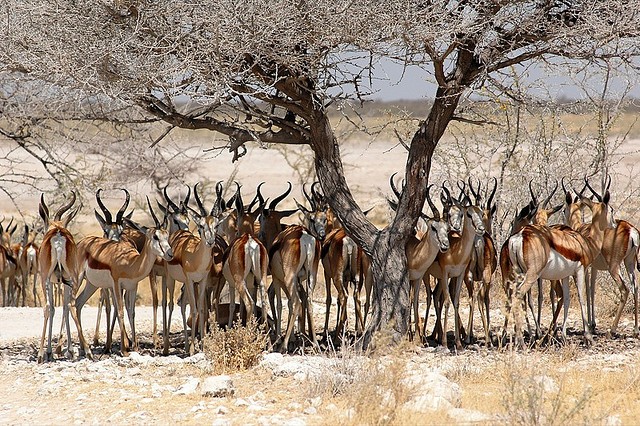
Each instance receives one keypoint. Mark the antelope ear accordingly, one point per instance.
(285, 213)
(135, 225)
(302, 208)
(556, 209)
(568, 198)
(100, 219)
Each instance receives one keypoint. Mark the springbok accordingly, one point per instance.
(28, 264)
(452, 264)
(178, 218)
(294, 259)
(8, 267)
(540, 216)
(553, 253)
(619, 246)
(270, 219)
(58, 256)
(119, 266)
(191, 264)
(246, 262)
(483, 263)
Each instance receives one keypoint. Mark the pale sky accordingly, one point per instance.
(417, 84)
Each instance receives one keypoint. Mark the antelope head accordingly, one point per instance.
(436, 226)
(178, 216)
(206, 222)
(158, 235)
(452, 210)
(57, 217)
(315, 218)
(112, 228)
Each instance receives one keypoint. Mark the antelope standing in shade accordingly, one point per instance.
(294, 259)
(554, 253)
(482, 265)
(119, 266)
(421, 252)
(58, 257)
(193, 258)
(453, 263)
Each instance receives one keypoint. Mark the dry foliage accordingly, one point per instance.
(235, 349)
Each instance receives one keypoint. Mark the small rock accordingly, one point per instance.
(255, 407)
(218, 386)
(295, 422)
(188, 387)
(310, 411)
(222, 410)
(613, 420)
(137, 358)
(315, 402)
(241, 403)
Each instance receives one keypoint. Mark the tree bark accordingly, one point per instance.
(386, 248)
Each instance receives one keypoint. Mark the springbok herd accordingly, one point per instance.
(241, 245)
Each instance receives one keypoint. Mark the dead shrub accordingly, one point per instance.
(235, 349)
(532, 398)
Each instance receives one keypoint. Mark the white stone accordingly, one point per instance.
(217, 386)
(188, 387)
(310, 411)
(241, 403)
(296, 421)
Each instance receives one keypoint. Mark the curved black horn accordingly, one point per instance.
(462, 185)
(276, 200)
(203, 212)
(318, 197)
(219, 204)
(393, 185)
(153, 214)
(309, 199)
(563, 187)
(598, 196)
(169, 201)
(493, 192)
(105, 211)
(546, 201)
(43, 210)
(434, 209)
(120, 213)
(258, 198)
(66, 207)
(186, 198)
(476, 194)
(238, 199)
(446, 191)
(533, 195)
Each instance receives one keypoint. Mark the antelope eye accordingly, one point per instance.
(155, 237)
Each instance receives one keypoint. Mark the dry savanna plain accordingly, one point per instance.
(550, 383)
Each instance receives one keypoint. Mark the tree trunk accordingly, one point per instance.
(386, 248)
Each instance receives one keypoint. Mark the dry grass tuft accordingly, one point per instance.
(533, 398)
(369, 388)
(236, 349)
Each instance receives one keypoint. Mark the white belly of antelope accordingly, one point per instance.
(559, 267)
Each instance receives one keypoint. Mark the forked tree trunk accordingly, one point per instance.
(386, 248)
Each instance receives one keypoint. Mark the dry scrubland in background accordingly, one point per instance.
(554, 385)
